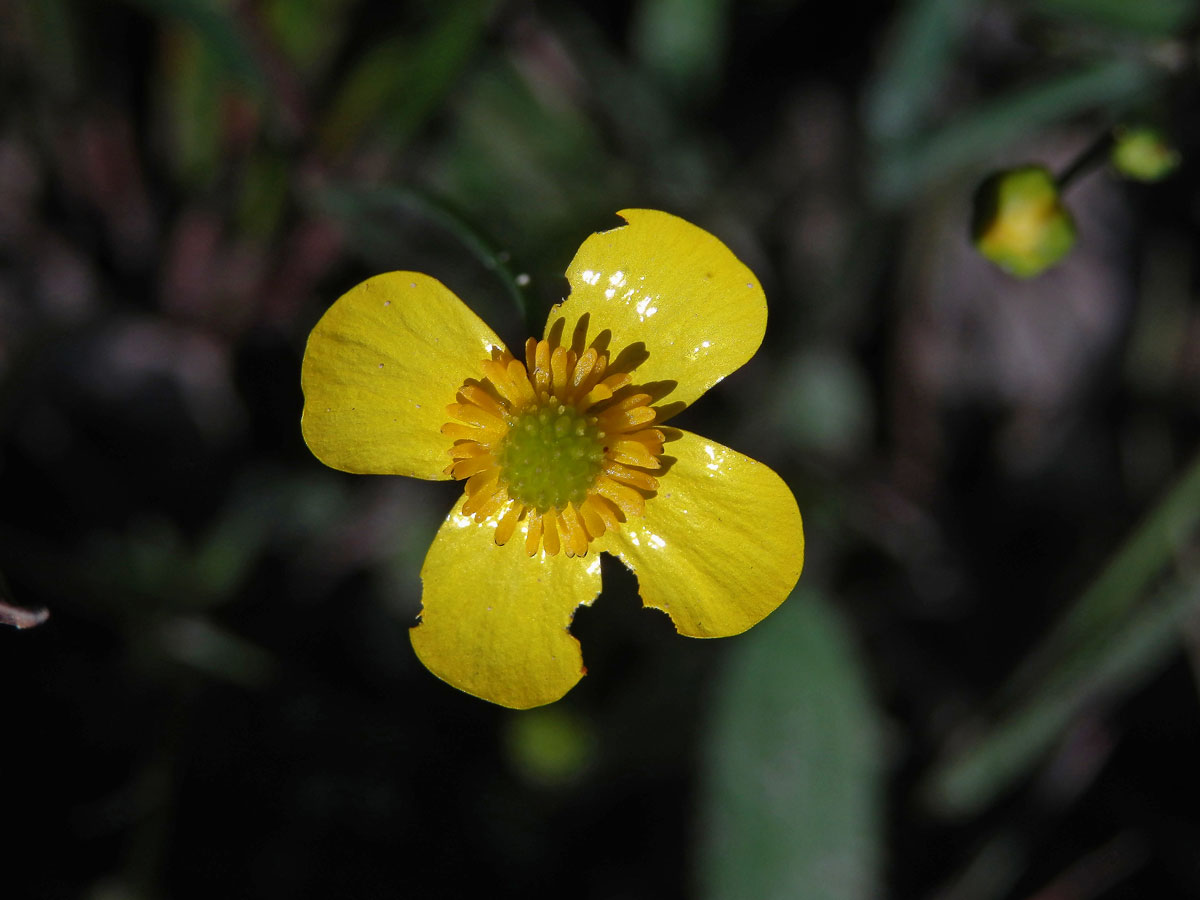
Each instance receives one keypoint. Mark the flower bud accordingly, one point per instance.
(1020, 223)
(1143, 153)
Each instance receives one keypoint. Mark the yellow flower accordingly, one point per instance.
(564, 451)
(1143, 153)
(1020, 222)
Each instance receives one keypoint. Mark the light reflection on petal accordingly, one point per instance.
(644, 308)
(722, 570)
(669, 287)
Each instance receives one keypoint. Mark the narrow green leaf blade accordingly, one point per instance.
(1108, 602)
(1109, 671)
(906, 167)
(1107, 645)
(398, 83)
(218, 29)
(1146, 18)
(915, 66)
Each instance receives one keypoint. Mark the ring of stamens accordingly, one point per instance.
(559, 441)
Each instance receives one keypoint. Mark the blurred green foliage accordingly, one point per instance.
(187, 185)
(912, 73)
(1149, 18)
(792, 796)
(401, 80)
(219, 33)
(682, 42)
(308, 32)
(550, 745)
(907, 166)
(1108, 644)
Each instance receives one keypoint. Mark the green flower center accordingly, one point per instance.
(559, 444)
(551, 456)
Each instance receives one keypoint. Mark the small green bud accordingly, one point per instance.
(1020, 223)
(1143, 153)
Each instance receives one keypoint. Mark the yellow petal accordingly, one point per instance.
(672, 287)
(380, 368)
(719, 546)
(494, 621)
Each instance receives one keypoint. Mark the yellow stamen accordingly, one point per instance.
(548, 441)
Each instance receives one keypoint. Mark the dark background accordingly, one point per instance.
(224, 702)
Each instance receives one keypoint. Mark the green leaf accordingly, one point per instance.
(53, 33)
(307, 31)
(400, 81)
(202, 644)
(791, 797)
(1099, 674)
(1146, 18)
(906, 167)
(821, 403)
(1108, 602)
(531, 164)
(682, 41)
(192, 87)
(915, 66)
(1106, 646)
(266, 180)
(216, 27)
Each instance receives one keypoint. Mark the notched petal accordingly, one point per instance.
(676, 303)
(719, 546)
(494, 622)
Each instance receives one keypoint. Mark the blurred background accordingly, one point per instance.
(985, 685)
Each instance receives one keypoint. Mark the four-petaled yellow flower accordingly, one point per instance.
(564, 451)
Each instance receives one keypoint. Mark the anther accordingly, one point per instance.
(550, 460)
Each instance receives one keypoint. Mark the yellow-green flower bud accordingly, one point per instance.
(1020, 223)
(1143, 153)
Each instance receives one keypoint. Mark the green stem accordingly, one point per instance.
(347, 201)
(1092, 156)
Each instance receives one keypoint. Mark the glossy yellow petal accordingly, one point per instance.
(720, 545)
(675, 299)
(494, 621)
(379, 370)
